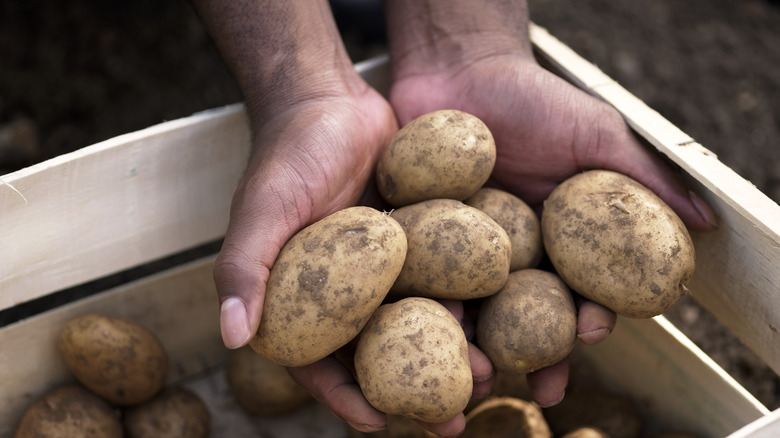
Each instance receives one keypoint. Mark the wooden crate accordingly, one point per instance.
(146, 195)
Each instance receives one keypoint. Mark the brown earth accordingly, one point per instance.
(78, 72)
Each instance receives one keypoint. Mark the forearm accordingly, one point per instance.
(280, 52)
(425, 34)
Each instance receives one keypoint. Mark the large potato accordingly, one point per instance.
(69, 411)
(455, 251)
(115, 358)
(615, 242)
(442, 154)
(262, 387)
(326, 282)
(518, 220)
(175, 412)
(528, 325)
(412, 359)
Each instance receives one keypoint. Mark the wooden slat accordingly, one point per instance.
(677, 383)
(119, 203)
(766, 427)
(178, 305)
(737, 277)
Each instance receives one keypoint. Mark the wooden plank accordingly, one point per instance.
(737, 279)
(765, 427)
(678, 384)
(178, 305)
(119, 203)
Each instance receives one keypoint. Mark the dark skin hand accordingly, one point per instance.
(318, 128)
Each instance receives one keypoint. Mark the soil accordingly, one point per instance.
(79, 72)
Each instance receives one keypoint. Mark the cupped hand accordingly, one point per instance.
(546, 130)
(310, 159)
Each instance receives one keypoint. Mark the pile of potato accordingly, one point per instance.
(120, 370)
(376, 278)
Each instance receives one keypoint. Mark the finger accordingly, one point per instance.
(329, 382)
(481, 372)
(450, 428)
(455, 307)
(594, 322)
(548, 385)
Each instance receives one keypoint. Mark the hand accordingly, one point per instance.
(545, 130)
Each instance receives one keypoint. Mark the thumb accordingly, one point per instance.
(263, 217)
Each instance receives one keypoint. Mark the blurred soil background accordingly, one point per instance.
(79, 72)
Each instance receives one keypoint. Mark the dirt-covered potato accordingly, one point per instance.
(529, 324)
(174, 413)
(454, 251)
(117, 359)
(262, 387)
(69, 411)
(518, 220)
(442, 154)
(615, 242)
(616, 415)
(412, 359)
(509, 417)
(326, 282)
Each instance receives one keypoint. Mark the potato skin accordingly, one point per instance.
(117, 359)
(69, 410)
(262, 387)
(412, 359)
(173, 413)
(615, 242)
(442, 154)
(455, 251)
(518, 220)
(509, 417)
(528, 325)
(326, 282)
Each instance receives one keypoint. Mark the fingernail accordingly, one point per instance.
(233, 323)
(594, 336)
(552, 403)
(367, 428)
(703, 209)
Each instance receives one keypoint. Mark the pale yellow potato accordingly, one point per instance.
(262, 387)
(530, 324)
(615, 242)
(442, 154)
(326, 282)
(412, 359)
(175, 412)
(455, 251)
(69, 411)
(518, 220)
(117, 359)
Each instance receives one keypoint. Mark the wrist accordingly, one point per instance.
(432, 36)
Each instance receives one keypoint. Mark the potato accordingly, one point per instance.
(618, 244)
(412, 359)
(115, 358)
(506, 417)
(454, 251)
(518, 220)
(586, 432)
(614, 414)
(262, 387)
(326, 282)
(174, 413)
(69, 411)
(528, 325)
(443, 154)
